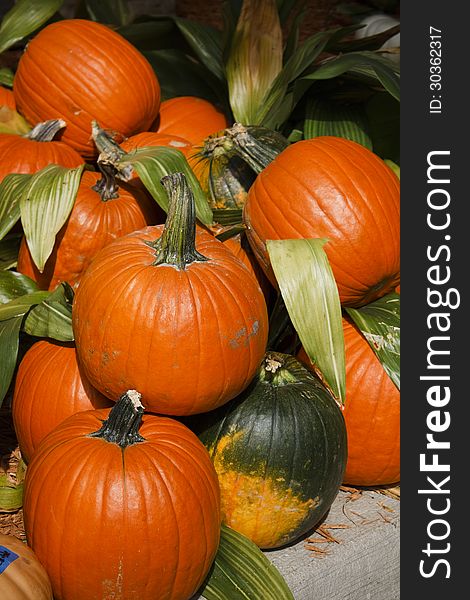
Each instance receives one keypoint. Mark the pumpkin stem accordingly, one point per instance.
(257, 146)
(177, 245)
(122, 425)
(275, 369)
(110, 151)
(46, 131)
(107, 187)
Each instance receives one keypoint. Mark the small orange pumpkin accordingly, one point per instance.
(49, 387)
(190, 117)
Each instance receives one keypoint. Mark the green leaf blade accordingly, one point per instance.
(13, 285)
(24, 18)
(153, 163)
(9, 343)
(206, 43)
(242, 572)
(45, 206)
(379, 322)
(11, 190)
(311, 297)
(52, 318)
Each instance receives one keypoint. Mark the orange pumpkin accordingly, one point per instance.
(190, 118)
(7, 98)
(36, 150)
(371, 412)
(172, 312)
(332, 188)
(152, 138)
(125, 508)
(101, 213)
(49, 387)
(81, 71)
(22, 577)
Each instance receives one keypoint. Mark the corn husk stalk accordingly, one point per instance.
(255, 58)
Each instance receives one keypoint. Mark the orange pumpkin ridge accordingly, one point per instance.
(49, 387)
(82, 71)
(331, 188)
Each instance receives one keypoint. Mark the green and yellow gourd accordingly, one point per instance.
(279, 450)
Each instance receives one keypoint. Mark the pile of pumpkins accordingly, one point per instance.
(168, 414)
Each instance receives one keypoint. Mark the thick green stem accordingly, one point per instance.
(177, 245)
(276, 369)
(46, 132)
(107, 187)
(122, 425)
(111, 152)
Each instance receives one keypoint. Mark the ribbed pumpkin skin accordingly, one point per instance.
(24, 578)
(188, 340)
(81, 71)
(92, 224)
(332, 188)
(372, 414)
(139, 523)
(279, 451)
(189, 117)
(21, 155)
(152, 138)
(49, 387)
(7, 98)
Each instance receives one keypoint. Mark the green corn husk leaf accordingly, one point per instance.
(309, 290)
(242, 572)
(6, 77)
(12, 122)
(367, 64)
(11, 494)
(19, 306)
(113, 12)
(255, 58)
(383, 116)
(24, 18)
(9, 248)
(53, 317)
(45, 206)
(13, 285)
(379, 322)
(180, 75)
(151, 164)
(276, 99)
(11, 190)
(331, 118)
(9, 343)
(206, 43)
(395, 168)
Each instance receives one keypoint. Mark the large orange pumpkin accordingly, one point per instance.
(82, 71)
(22, 577)
(332, 188)
(117, 511)
(152, 138)
(190, 117)
(372, 414)
(49, 387)
(36, 150)
(172, 312)
(101, 213)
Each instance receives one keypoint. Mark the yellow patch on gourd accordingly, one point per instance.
(258, 507)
